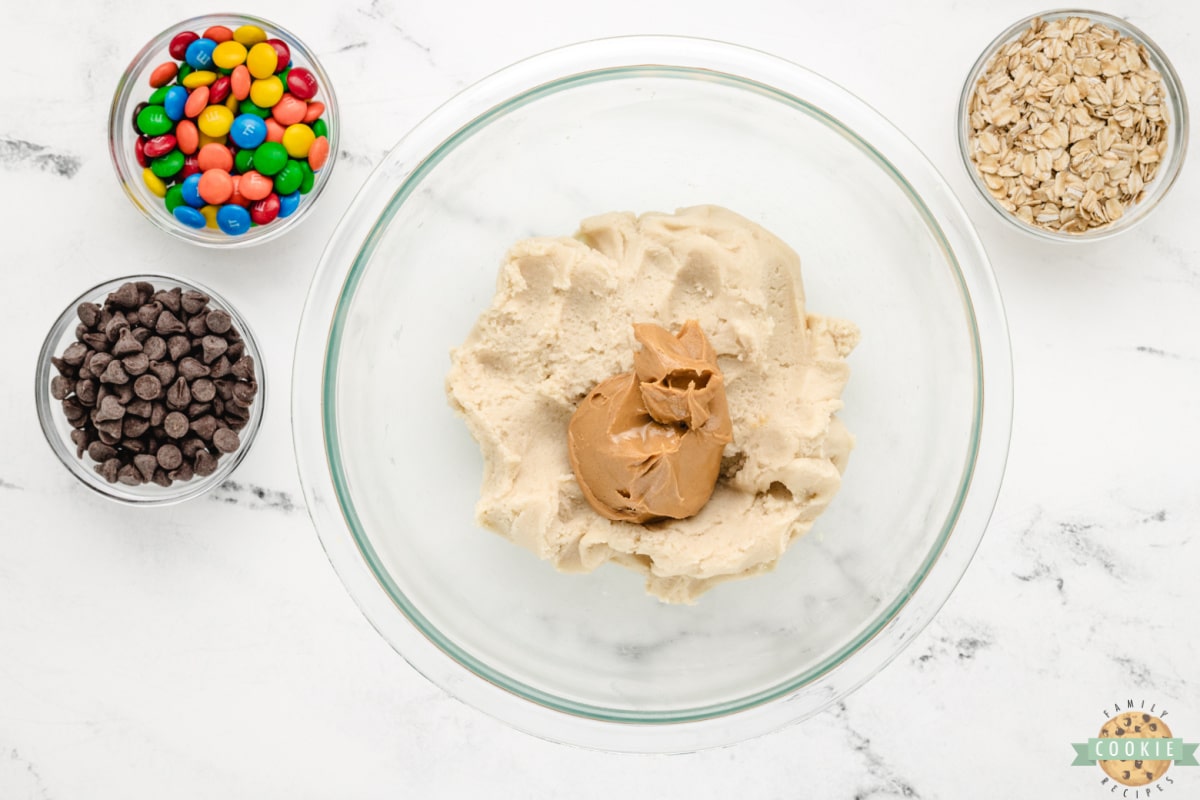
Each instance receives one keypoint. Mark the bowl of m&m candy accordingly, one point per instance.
(224, 130)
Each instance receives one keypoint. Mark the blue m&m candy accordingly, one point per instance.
(199, 53)
(248, 131)
(233, 220)
(190, 216)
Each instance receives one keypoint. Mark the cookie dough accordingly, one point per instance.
(561, 321)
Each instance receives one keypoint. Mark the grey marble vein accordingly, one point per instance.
(880, 781)
(6, 485)
(376, 12)
(18, 152)
(19, 778)
(253, 497)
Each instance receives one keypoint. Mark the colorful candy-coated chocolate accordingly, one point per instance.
(270, 158)
(201, 77)
(179, 44)
(261, 60)
(288, 204)
(189, 216)
(214, 156)
(191, 190)
(232, 104)
(309, 179)
(216, 186)
(255, 186)
(302, 83)
(199, 53)
(210, 215)
(187, 137)
(249, 35)
(206, 139)
(219, 91)
(157, 146)
(288, 179)
(163, 74)
(154, 183)
(248, 107)
(228, 55)
(274, 130)
(174, 198)
(319, 128)
(315, 110)
(153, 121)
(236, 198)
(197, 101)
(265, 210)
(297, 139)
(234, 220)
(289, 110)
(283, 54)
(214, 121)
(239, 82)
(318, 154)
(243, 161)
(175, 101)
(218, 33)
(157, 97)
(139, 152)
(167, 166)
(248, 131)
(190, 168)
(266, 92)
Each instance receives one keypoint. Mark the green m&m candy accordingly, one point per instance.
(270, 158)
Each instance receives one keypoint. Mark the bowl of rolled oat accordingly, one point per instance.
(1073, 125)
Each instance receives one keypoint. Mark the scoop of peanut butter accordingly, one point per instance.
(647, 444)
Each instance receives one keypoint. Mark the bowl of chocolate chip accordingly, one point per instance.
(150, 389)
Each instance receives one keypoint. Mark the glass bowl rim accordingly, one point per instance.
(1178, 126)
(313, 374)
(180, 490)
(131, 182)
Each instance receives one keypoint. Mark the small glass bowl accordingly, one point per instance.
(134, 87)
(58, 430)
(1177, 132)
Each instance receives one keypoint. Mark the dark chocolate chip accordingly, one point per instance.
(158, 413)
(203, 390)
(170, 298)
(176, 425)
(226, 440)
(80, 439)
(88, 314)
(161, 478)
(205, 427)
(244, 391)
(60, 387)
(133, 427)
(224, 388)
(98, 362)
(126, 344)
(206, 463)
(148, 314)
(184, 473)
(74, 353)
(146, 464)
(109, 431)
(220, 367)
(118, 323)
(191, 446)
(147, 387)
(167, 323)
(179, 396)
(155, 348)
(1145, 718)
(163, 370)
(213, 347)
(64, 369)
(218, 321)
(85, 390)
(1126, 774)
(243, 368)
(194, 302)
(108, 470)
(73, 409)
(169, 457)
(123, 392)
(196, 410)
(1137, 764)
(178, 347)
(138, 408)
(136, 364)
(96, 341)
(100, 452)
(129, 475)
(236, 349)
(1154, 726)
(110, 408)
(191, 368)
(115, 373)
(140, 335)
(126, 296)
(1119, 732)
(196, 325)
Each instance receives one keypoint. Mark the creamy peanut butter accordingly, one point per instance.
(562, 323)
(647, 444)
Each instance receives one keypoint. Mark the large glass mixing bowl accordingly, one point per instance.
(392, 476)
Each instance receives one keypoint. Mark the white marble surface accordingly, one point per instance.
(208, 650)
